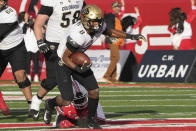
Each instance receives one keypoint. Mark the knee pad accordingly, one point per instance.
(46, 85)
(24, 84)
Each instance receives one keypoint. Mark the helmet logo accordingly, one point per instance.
(85, 11)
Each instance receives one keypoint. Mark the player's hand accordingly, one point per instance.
(123, 3)
(136, 10)
(138, 37)
(192, 2)
(43, 47)
(83, 68)
(70, 112)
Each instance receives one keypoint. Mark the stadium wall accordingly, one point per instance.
(155, 18)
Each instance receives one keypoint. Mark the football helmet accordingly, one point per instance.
(3, 6)
(80, 101)
(92, 18)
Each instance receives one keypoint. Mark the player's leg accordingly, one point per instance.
(17, 61)
(46, 85)
(4, 108)
(3, 64)
(63, 77)
(28, 65)
(36, 66)
(88, 80)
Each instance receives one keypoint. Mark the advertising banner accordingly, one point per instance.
(101, 59)
(165, 66)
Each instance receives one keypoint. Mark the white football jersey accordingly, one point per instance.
(14, 38)
(83, 103)
(65, 13)
(78, 88)
(78, 34)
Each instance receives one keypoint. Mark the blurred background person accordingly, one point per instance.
(130, 24)
(180, 27)
(113, 22)
(27, 22)
(33, 9)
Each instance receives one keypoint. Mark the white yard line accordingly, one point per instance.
(127, 106)
(141, 100)
(56, 93)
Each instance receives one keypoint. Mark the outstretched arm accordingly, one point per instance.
(139, 18)
(121, 34)
(192, 14)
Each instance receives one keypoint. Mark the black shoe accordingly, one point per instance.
(59, 119)
(34, 114)
(47, 112)
(92, 124)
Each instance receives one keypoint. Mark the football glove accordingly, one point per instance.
(83, 68)
(43, 47)
(68, 111)
(137, 37)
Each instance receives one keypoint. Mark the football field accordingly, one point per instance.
(126, 106)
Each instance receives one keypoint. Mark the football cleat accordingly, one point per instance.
(5, 110)
(47, 112)
(92, 124)
(58, 119)
(34, 114)
(35, 107)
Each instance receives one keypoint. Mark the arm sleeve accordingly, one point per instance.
(72, 45)
(172, 30)
(110, 20)
(192, 15)
(46, 10)
(6, 28)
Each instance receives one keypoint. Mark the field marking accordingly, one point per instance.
(140, 113)
(57, 93)
(121, 85)
(15, 98)
(128, 106)
(119, 125)
(131, 89)
(150, 100)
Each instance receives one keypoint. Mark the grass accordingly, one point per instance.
(123, 102)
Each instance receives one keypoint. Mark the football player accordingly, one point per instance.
(76, 113)
(12, 48)
(81, 36)
(60, 14)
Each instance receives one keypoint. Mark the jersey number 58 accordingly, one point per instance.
(66, 20)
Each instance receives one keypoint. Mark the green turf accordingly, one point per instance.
(123, 102)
